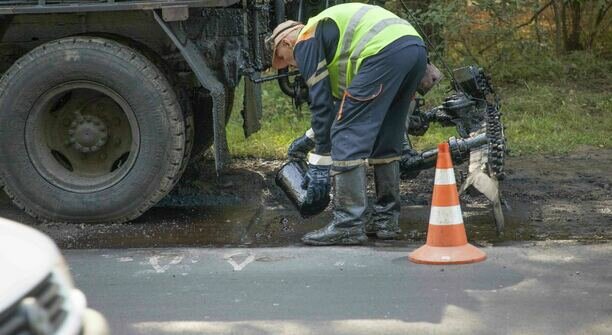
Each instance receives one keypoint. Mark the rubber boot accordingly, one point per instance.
(384, 222)
(350, 211)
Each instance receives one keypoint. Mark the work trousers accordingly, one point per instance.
(370, 123)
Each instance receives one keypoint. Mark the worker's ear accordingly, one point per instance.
(432, 77)
(286, 42)
(291, 37)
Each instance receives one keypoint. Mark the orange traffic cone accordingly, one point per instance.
(446, 239)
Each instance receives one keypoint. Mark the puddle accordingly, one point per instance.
(236, 226)
(245, 208)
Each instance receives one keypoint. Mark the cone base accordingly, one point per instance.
(464, 254)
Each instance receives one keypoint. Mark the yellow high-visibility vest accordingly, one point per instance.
(364, 31)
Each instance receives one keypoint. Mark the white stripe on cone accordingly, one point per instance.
(445, 215)
(444, 177)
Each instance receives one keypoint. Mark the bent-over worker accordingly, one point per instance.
(362, 65)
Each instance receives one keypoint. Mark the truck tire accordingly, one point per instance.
(90, 131)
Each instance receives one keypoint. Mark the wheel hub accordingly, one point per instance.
(88, 133)
(82, 136)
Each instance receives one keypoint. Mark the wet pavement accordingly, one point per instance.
(536, 288)
(243, 225)
(550, 198)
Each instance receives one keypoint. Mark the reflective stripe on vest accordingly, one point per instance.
(363, 42)
(347, 40)
(363, 33)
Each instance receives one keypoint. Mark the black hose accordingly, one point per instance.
(279, 17)
(460, 151)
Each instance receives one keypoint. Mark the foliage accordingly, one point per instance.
(551, 61)
(488, 32)
(541, 115)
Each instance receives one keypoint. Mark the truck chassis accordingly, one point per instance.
(103, 104)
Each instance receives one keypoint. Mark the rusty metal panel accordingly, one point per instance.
(175, 13)
(209, 80)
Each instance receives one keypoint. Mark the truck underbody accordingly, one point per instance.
(79, 145)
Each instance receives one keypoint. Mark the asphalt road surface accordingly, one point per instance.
(536, 288)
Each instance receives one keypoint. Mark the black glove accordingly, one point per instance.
(300, 147)
(409, 164)
(443, 118)
(317, 183)
(418, 124)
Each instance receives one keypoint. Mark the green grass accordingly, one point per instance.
(281, 124)
(548, 119)
(555, 106)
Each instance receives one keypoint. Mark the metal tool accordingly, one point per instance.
(289, 178)
(275, 77)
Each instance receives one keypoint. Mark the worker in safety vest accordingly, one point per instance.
(362, 65)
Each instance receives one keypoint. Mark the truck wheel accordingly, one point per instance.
(90, 131)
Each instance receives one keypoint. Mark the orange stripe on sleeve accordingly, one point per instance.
(306, 35)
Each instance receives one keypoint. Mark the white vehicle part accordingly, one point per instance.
(27, 256)
(29, 259)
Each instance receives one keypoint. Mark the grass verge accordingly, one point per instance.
(567, 104)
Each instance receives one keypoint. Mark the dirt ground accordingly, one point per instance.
(550, 197)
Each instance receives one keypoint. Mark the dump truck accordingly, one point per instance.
(104, 103)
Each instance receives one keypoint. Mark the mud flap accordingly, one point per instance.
(252, 107)
(207, 78)
(489, 186)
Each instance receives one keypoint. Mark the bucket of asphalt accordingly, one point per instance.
(289, 178)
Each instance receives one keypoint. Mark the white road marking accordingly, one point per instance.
(154, 261)
(238, 267)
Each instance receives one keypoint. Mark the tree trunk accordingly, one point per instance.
(601, 14)
(572, 42)
(564, 23)
(558, 26)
